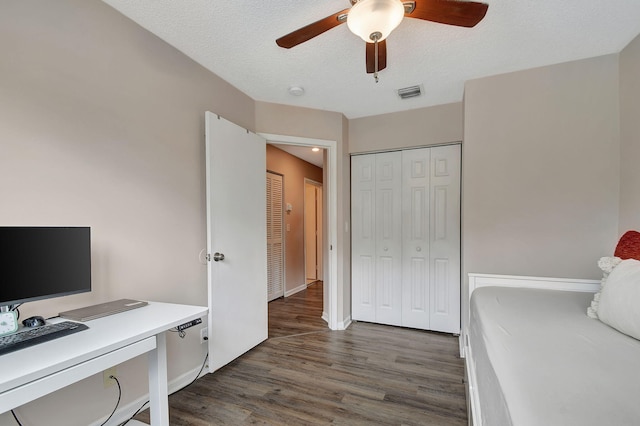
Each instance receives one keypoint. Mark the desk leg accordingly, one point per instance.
(158, 387)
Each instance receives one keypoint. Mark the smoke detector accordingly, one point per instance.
(296, 91)
(409, 92)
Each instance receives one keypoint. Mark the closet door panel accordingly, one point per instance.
(444, 258)
(388, 229)
(415, 238)
(363, 219)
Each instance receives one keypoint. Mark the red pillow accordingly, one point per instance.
(629, 246)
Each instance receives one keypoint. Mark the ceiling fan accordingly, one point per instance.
(373, 21)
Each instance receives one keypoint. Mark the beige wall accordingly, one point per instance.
(630, 137)
(419, 127)
(541, 170)
(101, 124)
(294, 171)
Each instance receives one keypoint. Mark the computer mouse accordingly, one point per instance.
(35, 321)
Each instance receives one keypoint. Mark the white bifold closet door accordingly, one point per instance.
(275, 237)
(377, 237)
(406, 238)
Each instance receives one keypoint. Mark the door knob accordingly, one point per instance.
(218, 257)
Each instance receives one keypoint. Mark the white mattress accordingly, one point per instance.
(540, 360)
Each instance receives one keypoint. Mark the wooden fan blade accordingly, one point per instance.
(371, 56)
(310, 31)
(451, 12)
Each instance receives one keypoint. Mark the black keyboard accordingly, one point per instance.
(34, 336)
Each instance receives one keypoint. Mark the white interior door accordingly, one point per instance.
(310, 232)
(376, 245)
(363, 238)
(415, 239)
(319, 234)
(313, 230)
(236, 222)
(445, 239)
(406, 238)
(275, 237)
(388, 238)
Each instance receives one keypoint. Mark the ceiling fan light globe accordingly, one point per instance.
(367, 17)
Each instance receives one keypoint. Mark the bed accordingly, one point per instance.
(535, 357)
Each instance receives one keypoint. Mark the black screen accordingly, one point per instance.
(43, 262)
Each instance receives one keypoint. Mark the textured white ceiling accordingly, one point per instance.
(235, 39)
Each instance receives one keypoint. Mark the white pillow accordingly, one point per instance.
(606, 264)
(620, 299)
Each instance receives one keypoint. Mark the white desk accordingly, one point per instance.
(30, 373)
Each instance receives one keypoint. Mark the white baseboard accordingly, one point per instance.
(295, 290)
(123, 413)
(343, 325)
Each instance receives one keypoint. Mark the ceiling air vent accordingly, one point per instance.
(409, 92)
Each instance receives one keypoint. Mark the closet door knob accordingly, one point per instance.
(386, 249)
(418, 248)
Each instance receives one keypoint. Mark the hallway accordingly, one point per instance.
(297, 314)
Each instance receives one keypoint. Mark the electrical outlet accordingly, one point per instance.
(204, 335)
(107, 380)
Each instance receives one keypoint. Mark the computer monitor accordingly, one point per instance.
(43, 262)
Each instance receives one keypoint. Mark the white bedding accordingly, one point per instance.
(539, 360)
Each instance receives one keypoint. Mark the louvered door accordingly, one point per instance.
(275, 238)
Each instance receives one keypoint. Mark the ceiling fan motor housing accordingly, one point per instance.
(368, 17)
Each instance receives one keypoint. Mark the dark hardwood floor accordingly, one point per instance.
(297, 314)
(305, 374)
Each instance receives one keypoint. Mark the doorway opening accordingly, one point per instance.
(329, 230)
(294, 237)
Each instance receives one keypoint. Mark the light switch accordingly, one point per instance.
(288, 227)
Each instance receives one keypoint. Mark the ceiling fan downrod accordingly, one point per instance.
(375, 37)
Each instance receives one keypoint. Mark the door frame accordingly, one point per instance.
(330, 189)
